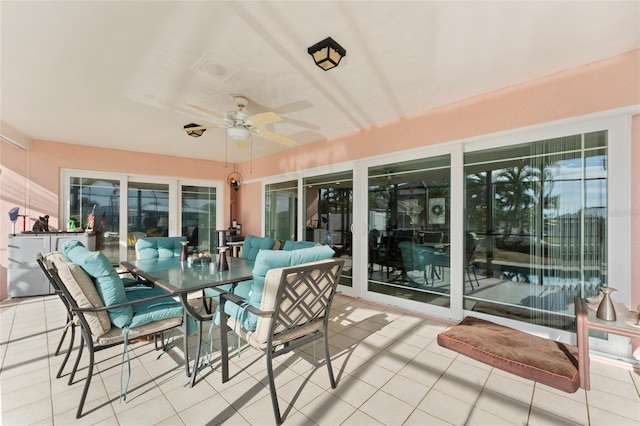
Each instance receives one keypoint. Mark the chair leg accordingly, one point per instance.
(66, 356)
(87, 383)
(469, 277)
(75, 365)
(475, 276)
(272, 387)
(328, 359)
(64, 334)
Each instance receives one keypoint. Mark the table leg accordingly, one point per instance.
(189, 311)
(185, 339)
(196, 360)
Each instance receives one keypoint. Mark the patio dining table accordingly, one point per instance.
(181, 278)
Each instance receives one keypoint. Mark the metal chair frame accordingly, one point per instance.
(86, 336)
(315, 281)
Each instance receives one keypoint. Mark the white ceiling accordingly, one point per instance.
(119, 74)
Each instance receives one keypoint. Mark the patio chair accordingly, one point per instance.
(253, 245)
(297, 245)
(158, 247)
(107, 314)
(72, 320)
(293, 310)
(71, 324)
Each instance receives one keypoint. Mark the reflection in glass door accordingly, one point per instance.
(409, 230)
(328, 204)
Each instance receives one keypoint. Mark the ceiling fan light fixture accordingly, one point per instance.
(238, 133)
(194, 133)
(327, 53)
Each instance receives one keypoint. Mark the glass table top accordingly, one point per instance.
(178, 276)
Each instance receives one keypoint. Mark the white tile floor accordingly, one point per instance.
(390, 371)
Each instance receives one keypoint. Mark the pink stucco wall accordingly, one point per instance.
(30, 179)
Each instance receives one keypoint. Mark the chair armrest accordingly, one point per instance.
(120, 305)
(243, 303)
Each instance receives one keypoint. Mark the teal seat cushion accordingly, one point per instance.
(108, 282)
(155, 310)
(252, 245)
(158, 247)
(297, 245)
(265, 261)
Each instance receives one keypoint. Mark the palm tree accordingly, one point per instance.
(515, 197)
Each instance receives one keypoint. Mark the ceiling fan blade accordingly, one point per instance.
(276, 137)
(208, 111)
(243, 144)
(264, 118)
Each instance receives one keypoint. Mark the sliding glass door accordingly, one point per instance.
(537, 214)
(409, 239)
(102, 197)
(130, 207)
(328, 206)
(281, 210)
(147, 213)
(198, 211)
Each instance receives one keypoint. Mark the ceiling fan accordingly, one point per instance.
(240, 124)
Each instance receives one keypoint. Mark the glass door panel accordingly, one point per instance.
(104, 195)
(329, 214)
(281, 210)
(538, 215)
(409, 230)
(198, 213)
(148, 214)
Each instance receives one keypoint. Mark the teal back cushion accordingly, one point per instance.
(265, 261)
(297, 245)
(252, 245)
(158, 247)
(108, 282)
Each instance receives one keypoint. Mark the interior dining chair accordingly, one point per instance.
(293, 311)
(414, 264)
(470, 254)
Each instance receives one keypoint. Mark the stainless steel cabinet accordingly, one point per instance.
(24, 275)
